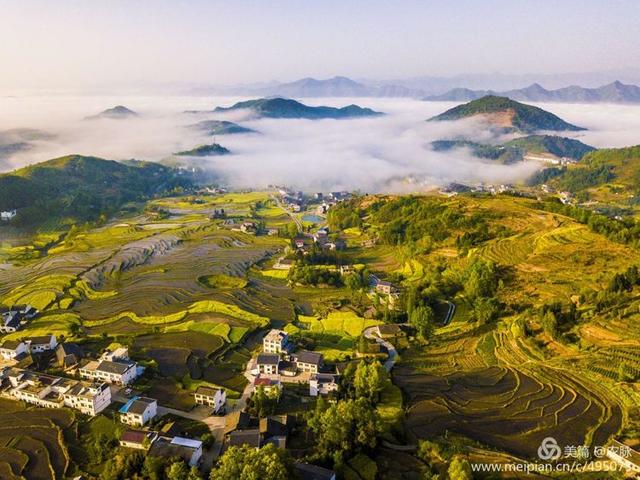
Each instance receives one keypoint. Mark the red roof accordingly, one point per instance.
(133, 436)
(265, 382)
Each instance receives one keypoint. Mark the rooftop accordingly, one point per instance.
(268, 359)
(305, 356)
(137, 405)
(207, 391)
(314, 472)
(252, 438)
(276, 335)
(134, 436)
(114, 367)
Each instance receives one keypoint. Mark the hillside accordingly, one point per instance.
(286, 108)
(205, 151)
(508, 115)
(616, 92)
(80, 188)
(220, 127)
(116, 113)
(515, 150)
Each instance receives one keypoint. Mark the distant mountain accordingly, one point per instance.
(117, 112)
(507, 115)
(544, 146)
(615, 92)
(205, 151)
(78, 188)
(220, 127)
(286, 108)
(19, 140)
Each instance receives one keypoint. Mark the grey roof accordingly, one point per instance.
(206, 391)
(140, 405)
(42, 340)
(252, 438)
(305, 356)
(114, 367)
(268, 359)
(325, 377)
(308, 471)
(163, 447)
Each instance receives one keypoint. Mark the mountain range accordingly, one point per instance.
(615, 92)
(507, 115)
(214, 149)
(287, 108)
(116, 113)
(220, 127)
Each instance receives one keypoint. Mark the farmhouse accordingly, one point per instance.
(268, 363)
(308, 361)
(8, 215)
(323, 384)
(90, 399)
(187, 449)
(138, 411)
(12, 349)
(137, 439)
(273, 429)
(389, 330)
(275, 341)
(386, 288)
(121, 372)
(68, 355)
(213, 397)
(252, 438)
(269, 385)
(10, 322)
(45, 343)
(249, 227)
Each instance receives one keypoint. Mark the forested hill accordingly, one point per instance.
(79, 188)
(286, 108)
(508, 115)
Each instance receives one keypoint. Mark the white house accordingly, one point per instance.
(89, 398)
(323, 384)
(11, 349)
(275, 341)
(121, 372)
(138, 411)
(8, 215)
(41, 344)
(308, 361)
(213, 397)
(268, 363)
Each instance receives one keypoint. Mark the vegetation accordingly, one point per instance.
(286, 108)
(247, 463)
(213, 149)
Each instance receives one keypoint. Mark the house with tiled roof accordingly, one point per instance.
(138, 411)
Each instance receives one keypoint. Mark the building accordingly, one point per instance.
(308, 471)
(308, 361)
(89, 398)
(323, 384)
(249, 227)
(274, 429)
(213, 397)
(11, 349)
(187, 449)
(275, 341)
(138, 411)
(68, 355)
(10, 322)
(268, 363)
(121, 372)
(389, 330)
(8, 215)
(137, 439)
(118, 355)
(386, 288)
(56, 392)
(251, 437)
(45, 343)
(269, 385)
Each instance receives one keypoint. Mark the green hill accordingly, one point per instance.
(508, 115)
(515, 150)
(286, 108)
(220, 127)
(78, 188)
(205, 151)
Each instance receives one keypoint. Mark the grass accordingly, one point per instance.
(223, 281)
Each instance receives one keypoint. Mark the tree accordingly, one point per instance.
(482, 279)
(459, 469)
(177, 471)
(369, 380)
(485, 309)
(247, 463)
(550, 324)
(421, 318)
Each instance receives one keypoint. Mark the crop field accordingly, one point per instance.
(32, 443)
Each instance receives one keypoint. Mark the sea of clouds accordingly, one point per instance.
(377, 154)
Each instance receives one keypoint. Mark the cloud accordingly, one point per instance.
(388, 153)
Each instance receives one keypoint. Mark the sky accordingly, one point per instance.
(79, 44)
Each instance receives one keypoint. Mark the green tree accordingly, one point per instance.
(422, 318)
(481, 279)
(177, 471)
(247, 463)
(459, 469)
(485, 309)
(550, 323)
(369, 380)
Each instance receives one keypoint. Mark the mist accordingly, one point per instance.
(380, 154)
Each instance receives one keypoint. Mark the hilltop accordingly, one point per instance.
(117, 112)
(80, 188)
(286, 108)
(508, 115)
(548, 146)
(205, 151)
(615, 92)
(220, 127)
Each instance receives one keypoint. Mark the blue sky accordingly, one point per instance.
(83, 43)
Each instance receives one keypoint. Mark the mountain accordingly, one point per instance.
(78, 188)
(546, 146)
(118, 112)
(205, 151)
(220, 127)
(19, 140)
(286, 108)
(615, 92)
(507, 115)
